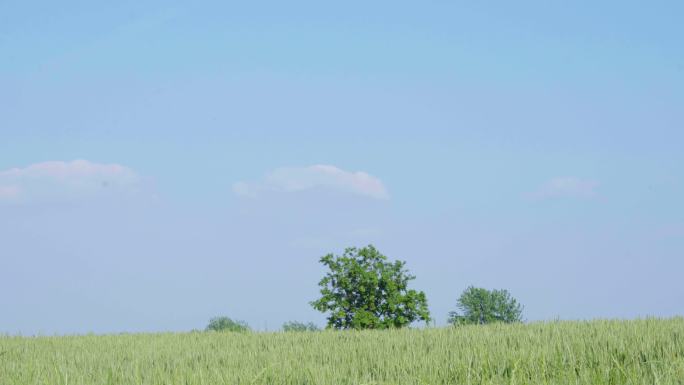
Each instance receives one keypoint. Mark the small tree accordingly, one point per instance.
(363, 290)
(482, 306)
(295, 326)
(221, 324)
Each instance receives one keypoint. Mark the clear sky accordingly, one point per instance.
(165, 162)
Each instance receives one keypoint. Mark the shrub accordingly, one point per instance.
(296, 326)
(225, 324)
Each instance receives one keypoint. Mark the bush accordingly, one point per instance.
(225, 324)
(296, 326)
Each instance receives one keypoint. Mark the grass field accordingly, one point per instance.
(639, 352)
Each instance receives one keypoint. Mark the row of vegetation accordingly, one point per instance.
(363, 289)
(225, 324)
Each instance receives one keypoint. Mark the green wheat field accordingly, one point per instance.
(648, 351)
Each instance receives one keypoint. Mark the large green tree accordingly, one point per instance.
(482, 306)
(363, 290)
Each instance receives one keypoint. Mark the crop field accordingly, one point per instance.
(649, 351)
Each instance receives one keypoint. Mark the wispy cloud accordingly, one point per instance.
(292, 179)
(9, 192)
(59, 180)
(567, 186)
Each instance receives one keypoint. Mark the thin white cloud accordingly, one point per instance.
(568, 187)
(9, 192)
(292, 179)
(58, 180)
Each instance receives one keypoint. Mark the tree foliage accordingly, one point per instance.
(363, 290)
(295, 326)
(221, 324)
(482, 306)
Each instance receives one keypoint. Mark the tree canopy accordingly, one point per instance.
(363, 290)
(482, 306)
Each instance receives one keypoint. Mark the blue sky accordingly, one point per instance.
(162, 163)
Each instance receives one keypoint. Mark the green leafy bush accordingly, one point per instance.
(296, 326)
(225, 324)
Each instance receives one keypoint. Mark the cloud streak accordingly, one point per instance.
(293, 179)
(567, 187)
(59, 180)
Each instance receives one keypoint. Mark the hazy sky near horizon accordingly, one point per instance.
(165, 162)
